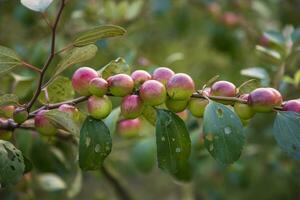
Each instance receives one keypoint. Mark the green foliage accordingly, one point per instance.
(150, 114)
(8, 59)
(112, 119)
(8, 99)
(248, 86)
(115, 67)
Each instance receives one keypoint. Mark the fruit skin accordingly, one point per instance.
(99, 107)
(7, 111)
(180, 86)
(81, 79)
(292, 105)
(153, 93)
(129, 128)
(132, 106)
(162, 74)
(176, 105)
(120, 85)
(197, 106)
(20, 115)
(244, 111)
(139, 77)
(264, 99)
(43, 125)
(71, 110)
(223, 88)
(98, 86)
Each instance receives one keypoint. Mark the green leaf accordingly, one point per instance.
(98, 33)
(296, 36)
(112, 120)
(143, 155)
(268, 55)
(258, 73)
(76, 55)
(276, 40)
(8, 99)
(94, 145)
(173, 144)
(117, 66)
(28, 165)
(150, 114)
(59, 90)
(223, 131)
(286, 131)
(11, 164)
(248, 86)
(64, 120)
(51, 182)
(8, 59)
(211, 81)
(37, 5)
(297, 78)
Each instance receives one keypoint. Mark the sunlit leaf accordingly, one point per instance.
(51, 182)
(115, 67)
(37, 5)
(8, 59)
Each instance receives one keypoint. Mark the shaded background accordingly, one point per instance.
(200, 37)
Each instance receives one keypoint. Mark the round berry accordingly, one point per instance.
(99, 107)
(120, 85)
(223, 88)
(98, 86)
(292, 105)
(43, 125)
(132, 106)
(153, 93)
(139, 77)
(180, 86)
(162, 74)
(81, 79)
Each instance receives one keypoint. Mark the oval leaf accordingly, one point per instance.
(286, 131)
(112, 120)
(36, 5)
(117, 66)
(8, 59)
(173, 144)
(94, 145)
(97, 33)
(223, 131)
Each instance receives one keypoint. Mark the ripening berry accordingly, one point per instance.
(197, 106)
(180, 87)
(129, 128)
(153, 93)
(176, 105)
(43, 125)
(264, 99)
(98, 87)
(7, 111)
(132, 106)
(223, 88)
(292, 105)
(20, 115)
(206, 92)
(81, 79)
(120, 85)
(244, 111)
(72, 110)
(162, 74)
(99, 107)
(139, 77)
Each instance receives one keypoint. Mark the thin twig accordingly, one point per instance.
(64, 49)
(30, 66)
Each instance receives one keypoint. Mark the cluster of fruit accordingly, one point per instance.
(142, 89)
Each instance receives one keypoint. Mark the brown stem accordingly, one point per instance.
(64, 49)
(49, 59)
(34, 68)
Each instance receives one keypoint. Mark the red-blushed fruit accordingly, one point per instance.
(292, 105)
(153, 93)
(183, 115)
(7, 111)
(81, 79)
(72, 110)
(139, 77)
(223, 88)
(43, 125)
(197, 106)
(129, 128)
(278, 96)
(132, 106)
(180, 87)
(120, 85)
(264, 99)
(162, 74)
(20, 115)
(176, 105)
(98, 86)
(243, 110)
(99, 107)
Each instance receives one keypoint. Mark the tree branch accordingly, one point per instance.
(34, 68)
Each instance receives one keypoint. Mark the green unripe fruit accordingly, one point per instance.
(99, 107)
(176, 105)
(129, 128)
(98, 87)
(120, 85)
(153, 93)
(43, 125)
(132, 106)
(7, 111)
(197, 106)
(244, 111)
(20, 115)
(180, 86)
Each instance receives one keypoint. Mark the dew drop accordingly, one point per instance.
(177, 150)
(87, 141)
(227, 130)
(163, 138)
(97, 148)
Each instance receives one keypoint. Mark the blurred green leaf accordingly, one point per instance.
(51, 182)
(211, 81)
(173, 145)
(297, 77)
(134, 9)
(28, 164)
(286, 131)
(223, 131)
(37, 5)
(275, 40)
(269, 55)
(295, 36)
(112, 120)
(97, 33)
(76, 185)
(115, 67)
(8, 59)
(150, 114)
(248, 86)
(59, 90)
(258, 73)
(11, 164)
(8, 99)
(94, 145)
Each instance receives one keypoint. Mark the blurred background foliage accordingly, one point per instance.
(200, 37)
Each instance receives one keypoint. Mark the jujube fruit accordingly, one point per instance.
(223, 88)
(176, 105)
(99, 107)
(43, 125)
(120, 85)
(132, 106)
(129, 128)
(20, 115)
(81, 79)
(139, 77)
(180, 87)
(292, 105)
(162, 74)
(153, 93)
(197, 106)
(98, 86)
(244, 111)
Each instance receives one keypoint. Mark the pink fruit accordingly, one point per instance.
(120, 85)
(81, 79)
(129, 128)
(223, 88)
(180, 87)
(132, 106)
(292, 105)
(99, 107)
(139, 77)
(98, 86)
(162, 74)
(43, 125)
(153, 93)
